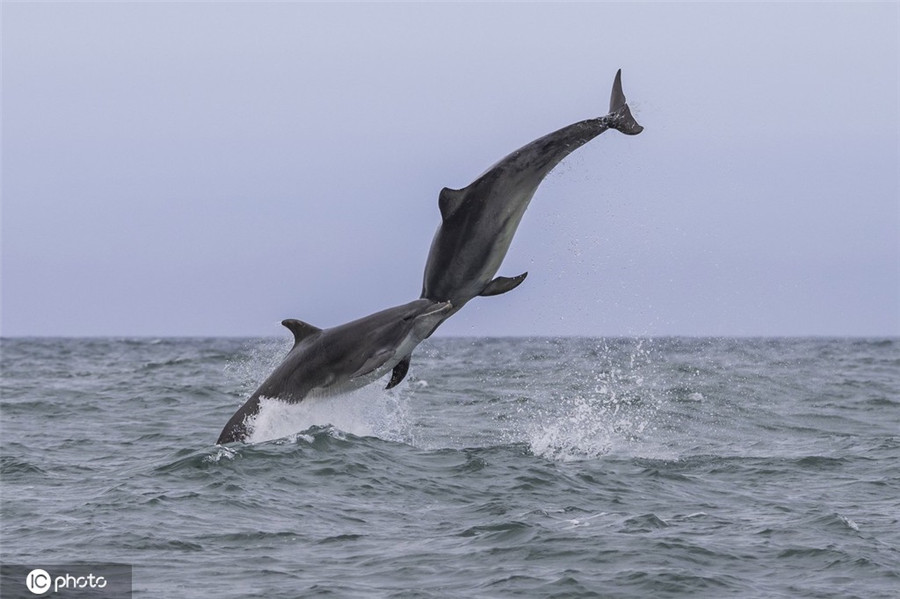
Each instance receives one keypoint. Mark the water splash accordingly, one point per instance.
(367, 412)
(611, 404)
(260, 359)
(605, 399)
(370, 411)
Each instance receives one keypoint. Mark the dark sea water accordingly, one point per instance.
(500, 468)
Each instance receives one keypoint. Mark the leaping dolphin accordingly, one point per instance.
(478, 222)
(341, 359)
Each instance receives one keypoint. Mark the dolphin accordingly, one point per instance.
(478, 221)
(340, 359)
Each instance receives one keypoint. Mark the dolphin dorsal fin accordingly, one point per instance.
(300, 329)
(449, 201)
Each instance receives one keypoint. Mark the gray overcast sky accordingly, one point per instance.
(212, 168)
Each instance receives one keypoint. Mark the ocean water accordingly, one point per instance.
(501, 468)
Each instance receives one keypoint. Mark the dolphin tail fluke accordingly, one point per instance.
(620, 117)
(502, 285)
(617, 97)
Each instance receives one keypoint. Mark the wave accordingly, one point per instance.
(10, 466)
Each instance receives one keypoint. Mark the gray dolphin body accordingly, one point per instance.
(341, 359)
(478, 222)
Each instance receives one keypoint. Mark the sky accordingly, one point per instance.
(209, 169)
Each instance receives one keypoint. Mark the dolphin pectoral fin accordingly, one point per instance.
(449, 201)
(399, 373)
(373, 363)
(502, 285)
(300, 329)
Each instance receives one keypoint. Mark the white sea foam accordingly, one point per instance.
(849, 523)
(221, 452)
